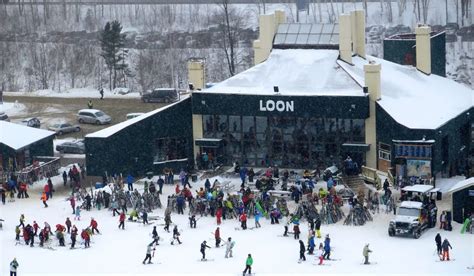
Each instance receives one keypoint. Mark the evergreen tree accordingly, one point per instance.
(112, 42)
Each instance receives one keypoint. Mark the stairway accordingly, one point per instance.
(354, 182)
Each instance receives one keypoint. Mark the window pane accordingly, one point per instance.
(261, 124)
(234, 123)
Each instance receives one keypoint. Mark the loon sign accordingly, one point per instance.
(280, 106)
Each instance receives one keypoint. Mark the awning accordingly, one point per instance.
(356, 147)
(208, 142)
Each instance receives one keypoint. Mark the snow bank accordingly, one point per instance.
(86, 92)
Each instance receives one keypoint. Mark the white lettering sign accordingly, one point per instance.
(280, 106)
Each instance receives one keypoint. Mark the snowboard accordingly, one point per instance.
(441, 261)
(151, 263)
(206, 260)
(370, 263)
(464, 225)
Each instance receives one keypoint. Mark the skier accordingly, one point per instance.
(176, 235)
(167, 221)
(317, 226)
(68, 225)
(78, 213)
(44, 198)
(446, 246)
(248, 265)
(243, 221)
(192, 221)
(73, 236)
(122, 221)
(93, 225)
(217, 236)
(438, 244)
(365, 252)
(148, 253)
(13, 267)
(86, 237)
(302, 250)
(257, 219)
(145, 217)
(229, 246)
(320, 253)
(203, 250)
(327, 247)
(155, 236)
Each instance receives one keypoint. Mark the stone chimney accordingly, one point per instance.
(423, 49)
(345, 41)
(268, 26)
(372, 82)
(358, 32)
(196, 73)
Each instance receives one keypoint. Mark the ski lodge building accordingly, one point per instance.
(313, 98)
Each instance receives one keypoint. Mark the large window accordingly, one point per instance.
(170, 148)
(284, 141)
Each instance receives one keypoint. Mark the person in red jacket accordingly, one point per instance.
(217, 235)
(243, 221)
(86, 237)
(122, 221)
(46, 190)
(72, 200)
(219, 216)
(94, 226)
(35, 227)
(177, 190)
(26, 235)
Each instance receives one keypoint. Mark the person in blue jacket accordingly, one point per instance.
(130, 182)
(257, 219)
(243, 174)
(327, 248)
(180, 203)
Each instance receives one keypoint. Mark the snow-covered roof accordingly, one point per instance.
(296, 72)
(106, 132)
(412, 98)
(90, 110)
(18, 136)
(411, 204)
(415, 141)
(418, 188)
(462, 184)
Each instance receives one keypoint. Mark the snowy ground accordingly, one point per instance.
(11, 109)
(121, 252)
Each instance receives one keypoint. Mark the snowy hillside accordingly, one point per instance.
(122, 251)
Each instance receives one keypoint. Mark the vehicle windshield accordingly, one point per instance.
(99, 114)
(408, 212)
(56, 126)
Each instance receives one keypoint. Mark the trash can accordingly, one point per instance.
(194, 177)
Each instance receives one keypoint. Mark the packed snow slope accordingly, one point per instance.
(122, 251)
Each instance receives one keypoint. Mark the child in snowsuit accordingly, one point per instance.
(78, 213)
(148, 253)
(296, 231)
(257, 219)
(203, 250)
(217, 236)
(192, 221)
(86, 237)
(327, 248)
(122, 221)
(302, 250)
(248, 265)
(229, 246)
(243, 221)
(13, 266)
(320, 253)
(366, 252)
(73, 236)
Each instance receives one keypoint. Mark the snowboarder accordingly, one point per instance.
(13, 267)
(446, 246)
(203, 250)
(192, 221)
(302, 250)
(217, 236)
(155, 236)
(243, 221)
(229, 246)
(122, 221)
(327, 247)
(365, 252)
(93, 225)
(149, 248)
(176, 235)
(248, 265)
(438, 244)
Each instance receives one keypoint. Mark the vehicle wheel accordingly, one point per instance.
(81, 121)
(391, 232)
(97, 122)
(60, 133)
(78, 129)
(416, 234)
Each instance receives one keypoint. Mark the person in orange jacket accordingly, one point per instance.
(44, 198)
